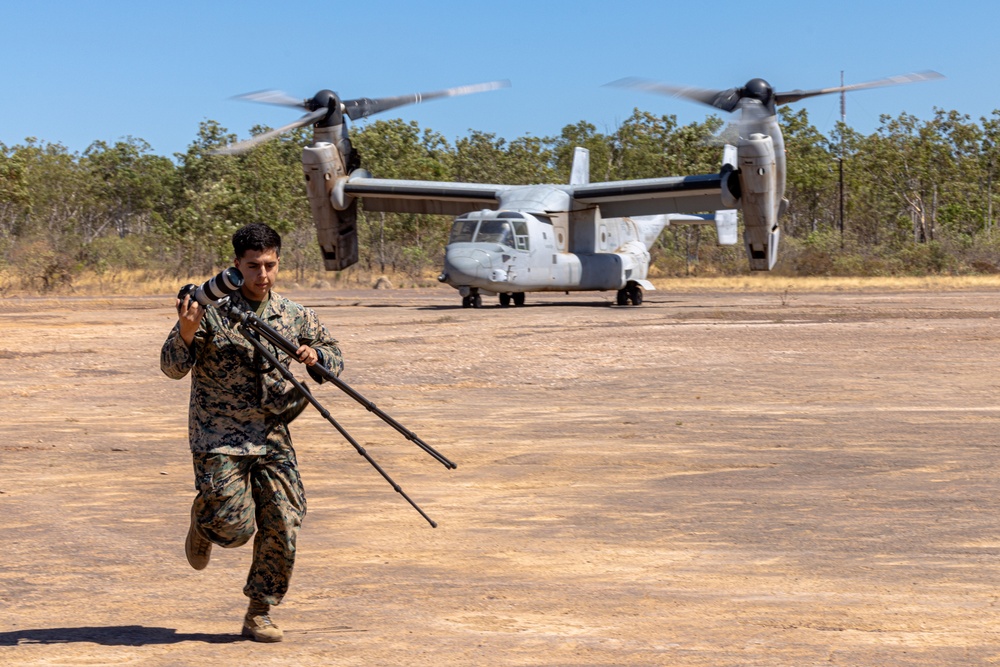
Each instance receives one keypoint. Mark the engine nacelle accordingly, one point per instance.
(336, 229)
(759, 200)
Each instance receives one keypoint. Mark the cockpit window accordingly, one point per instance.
(463, 231)
(509, 232)
(495, 231)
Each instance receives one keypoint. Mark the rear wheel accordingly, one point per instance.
(622, 298)
(519, 298)
(635, 295)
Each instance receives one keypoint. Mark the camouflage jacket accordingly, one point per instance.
(235, 398)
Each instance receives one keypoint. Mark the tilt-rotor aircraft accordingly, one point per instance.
(512, 239)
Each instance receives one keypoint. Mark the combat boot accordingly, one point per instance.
(258, 626)
(197, 548)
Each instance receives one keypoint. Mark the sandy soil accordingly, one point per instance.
(709, 479)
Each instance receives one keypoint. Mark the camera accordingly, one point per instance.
(214, 289)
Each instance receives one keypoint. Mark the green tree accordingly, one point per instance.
(271, 190)
(400, 150)
(641, 146)
(584, 135)
(810, 174)
(130, 187)
(44, 250)
(207, 191)
(989, 158)
(15, 195)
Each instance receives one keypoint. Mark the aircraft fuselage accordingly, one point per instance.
(510, 252)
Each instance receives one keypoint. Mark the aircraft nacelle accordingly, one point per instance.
(759, 196)
(335, 216)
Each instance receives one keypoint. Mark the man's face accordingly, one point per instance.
(259, 269)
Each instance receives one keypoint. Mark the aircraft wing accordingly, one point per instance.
(433, 197)
(652, 196)
(616, 199)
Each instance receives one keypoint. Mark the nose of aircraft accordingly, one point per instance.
(467, 263)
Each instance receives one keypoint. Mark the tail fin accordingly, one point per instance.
(580, 172)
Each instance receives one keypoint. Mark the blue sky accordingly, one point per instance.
(76, 72)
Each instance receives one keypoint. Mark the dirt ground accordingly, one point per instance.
(708, 479)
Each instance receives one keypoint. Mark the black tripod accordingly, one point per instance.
(253, 329)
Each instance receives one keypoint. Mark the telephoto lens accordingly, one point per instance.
(214, 289)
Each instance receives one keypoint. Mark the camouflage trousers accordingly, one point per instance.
(237, 492)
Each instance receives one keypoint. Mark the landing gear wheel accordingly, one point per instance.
(635, 295)
(622, 298)
(504, 300)
(466, 302)
(518, 299)
(477, 301)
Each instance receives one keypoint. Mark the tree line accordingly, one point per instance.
(913, 197)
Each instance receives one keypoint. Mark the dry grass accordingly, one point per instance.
(767, 282)
(138, 283)
(142, 283)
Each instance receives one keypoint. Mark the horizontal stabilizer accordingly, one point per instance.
(725, 223)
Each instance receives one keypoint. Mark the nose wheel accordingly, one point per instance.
(473, 300)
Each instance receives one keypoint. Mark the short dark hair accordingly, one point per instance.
(256, 236)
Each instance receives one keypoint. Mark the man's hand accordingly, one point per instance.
(307, 355)
(189, 314)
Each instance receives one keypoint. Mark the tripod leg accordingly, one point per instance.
(288, 375)
(254, 323)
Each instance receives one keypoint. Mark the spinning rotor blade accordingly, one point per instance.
(726, 100)
(247, 144)
(747, 124)
(729, 134)
(796, 95)
(364, 107)
(326, 105)
(272, 97)
(729, 100)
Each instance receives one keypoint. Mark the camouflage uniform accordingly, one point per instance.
(244, 463)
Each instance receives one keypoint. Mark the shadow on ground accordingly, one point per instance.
(113, 635)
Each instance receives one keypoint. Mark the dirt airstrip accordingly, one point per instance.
(709, 479)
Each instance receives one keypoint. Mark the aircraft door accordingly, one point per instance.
(560, 230)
